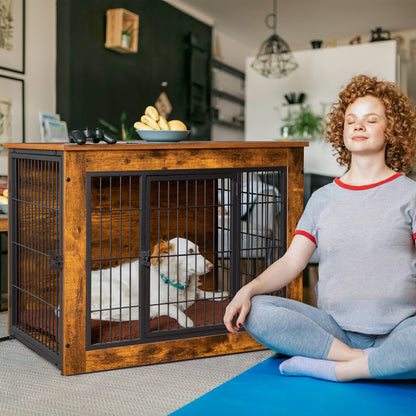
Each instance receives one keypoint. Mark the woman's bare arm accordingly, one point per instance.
(274, 278)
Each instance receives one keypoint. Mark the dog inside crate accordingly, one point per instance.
(183, 287)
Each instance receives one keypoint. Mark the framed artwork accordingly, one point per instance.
(12, 35)
(12, 115)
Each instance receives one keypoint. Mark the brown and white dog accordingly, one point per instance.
(175, 267)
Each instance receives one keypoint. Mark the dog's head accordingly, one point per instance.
(179, 258)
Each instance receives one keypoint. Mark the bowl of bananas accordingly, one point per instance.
(153, 127)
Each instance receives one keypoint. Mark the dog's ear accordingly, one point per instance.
(159, 249)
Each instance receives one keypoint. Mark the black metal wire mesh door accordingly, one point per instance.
(168, 249)
(255, 236)
(113, 251)
(35, 251)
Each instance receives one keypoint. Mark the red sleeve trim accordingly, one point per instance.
(414, 236)
(307, 235)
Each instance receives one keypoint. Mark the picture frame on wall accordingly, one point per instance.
(12, 115)
(12, 35)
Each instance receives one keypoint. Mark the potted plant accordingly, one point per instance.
(126, 133)
(306, 124)
(126, 36)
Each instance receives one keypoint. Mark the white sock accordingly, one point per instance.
(309, 367)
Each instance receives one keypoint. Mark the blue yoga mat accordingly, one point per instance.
(262, 390)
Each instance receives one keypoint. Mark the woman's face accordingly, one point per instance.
(365, 125)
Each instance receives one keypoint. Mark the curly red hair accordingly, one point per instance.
(401, 121)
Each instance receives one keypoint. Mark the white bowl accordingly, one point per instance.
(163, 135)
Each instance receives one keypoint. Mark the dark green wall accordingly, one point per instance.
(94, 82)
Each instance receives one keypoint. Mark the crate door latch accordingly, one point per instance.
(57, 261)
(145, 258)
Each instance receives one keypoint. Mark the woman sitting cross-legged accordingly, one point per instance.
(364, 228)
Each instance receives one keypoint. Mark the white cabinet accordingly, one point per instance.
(321, 74)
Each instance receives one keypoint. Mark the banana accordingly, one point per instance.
(163, 124)
(138, 125)
(152, 113)
(150, 122)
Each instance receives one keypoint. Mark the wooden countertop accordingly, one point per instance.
(141, 144)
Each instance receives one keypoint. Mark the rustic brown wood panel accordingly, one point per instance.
(160, 159)
(294, 208)
(74, 267)
(167, 351)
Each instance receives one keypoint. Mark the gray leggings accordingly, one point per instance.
(293, 328)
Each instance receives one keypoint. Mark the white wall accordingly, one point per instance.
(40, 79)
(40, 67)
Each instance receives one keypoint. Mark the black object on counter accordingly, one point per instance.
(78, 137)
(81, 136)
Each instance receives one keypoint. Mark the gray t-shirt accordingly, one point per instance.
(367, 257)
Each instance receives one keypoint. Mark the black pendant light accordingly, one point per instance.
(274, 59)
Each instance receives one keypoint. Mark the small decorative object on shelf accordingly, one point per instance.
(316, 44)
(122, 33)
(126, 37)
(379, 34)
(293, 98)
(356, 40)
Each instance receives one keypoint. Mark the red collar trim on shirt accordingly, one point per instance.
(363, 187)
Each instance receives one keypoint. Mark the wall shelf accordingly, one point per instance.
(227, 68)
(119, 20)
(232, 95)
(227, 96)
(229, 124)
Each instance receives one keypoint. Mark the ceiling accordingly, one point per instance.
(300, 21)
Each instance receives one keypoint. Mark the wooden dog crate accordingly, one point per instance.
(79, 210)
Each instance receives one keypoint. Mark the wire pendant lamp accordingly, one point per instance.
(274, 59)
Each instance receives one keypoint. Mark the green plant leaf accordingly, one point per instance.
(306, 121)
(108, 126)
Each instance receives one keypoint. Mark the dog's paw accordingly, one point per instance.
(188, 323)
(221, 295)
